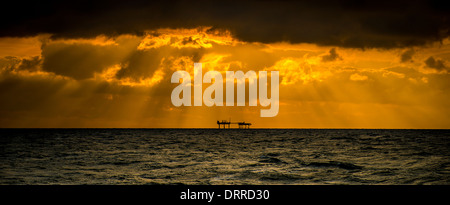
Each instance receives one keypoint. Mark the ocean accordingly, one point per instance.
(224, 157)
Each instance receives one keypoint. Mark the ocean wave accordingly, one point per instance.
(333, 164)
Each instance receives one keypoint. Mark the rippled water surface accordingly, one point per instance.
(211, 156)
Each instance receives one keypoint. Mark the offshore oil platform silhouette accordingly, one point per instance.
(225, 124)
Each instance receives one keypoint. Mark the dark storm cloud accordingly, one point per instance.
(359, 24)
(79, 61)
(436, 64)
(407, 55)
(83, 60)
(332, 56)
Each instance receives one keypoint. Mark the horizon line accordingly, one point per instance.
(260, 128)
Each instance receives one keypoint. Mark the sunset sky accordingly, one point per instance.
(346, 64)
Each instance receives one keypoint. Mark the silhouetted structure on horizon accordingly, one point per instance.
(225, 124)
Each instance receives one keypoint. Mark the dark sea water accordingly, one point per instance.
(211, 156)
